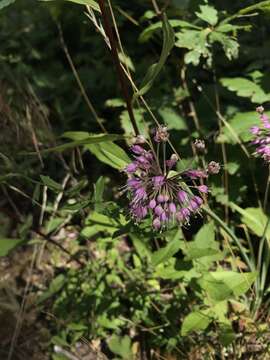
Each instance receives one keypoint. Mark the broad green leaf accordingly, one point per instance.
(232, 167)
(195, 321)
(6, 245)
(208, 14)
(222, 285)
(255, 219)
(150, 30)
(166, 252)
(121, 347)
(246, 88)
(172, 119)
(4, 3)
(53, 185)
(240, 124)
(154, 70)
(93, 4)
(110, 153)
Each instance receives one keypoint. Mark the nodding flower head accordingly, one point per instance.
(261, 136)
(157, 192)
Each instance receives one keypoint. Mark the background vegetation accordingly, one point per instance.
(79, 280)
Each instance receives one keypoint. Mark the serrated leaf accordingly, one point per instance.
(209, 14)
(154, 70)
(229, 45)
(246, 88)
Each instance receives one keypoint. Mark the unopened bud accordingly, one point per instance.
(199, 145)
(260, 109)
(213, 168)
(139, 139)
(162, 134)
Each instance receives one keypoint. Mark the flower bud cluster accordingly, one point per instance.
(262, 136)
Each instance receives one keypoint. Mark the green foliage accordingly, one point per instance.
(154, 69)
(107, 279)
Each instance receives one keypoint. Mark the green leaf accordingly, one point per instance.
(172, 119)
(229, 45)
(110, 153)
(246, 88)
(6, 245)
(154, 70)
(195, 321)
(166, 252)
(255, 219)
(141, 123)
(150, 30)
(121, 346)
(56, 285)
(84, 138)
(222, 285)
(262, 5)
(240, 124)
(196, 41)
(93, 4)
(96, 222)
(140, 246)
(204, 248)
(53, 185)
(98, 193)
(4, 3)
(208, 14)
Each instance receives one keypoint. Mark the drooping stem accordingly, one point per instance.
(121, 75)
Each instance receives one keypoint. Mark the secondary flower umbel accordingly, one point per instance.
(262, 136)
(157, 191)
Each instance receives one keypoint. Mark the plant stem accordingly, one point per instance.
(266, 194)
(117, 63)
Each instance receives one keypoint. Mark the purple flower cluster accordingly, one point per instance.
(262, 136)
(156, 190)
